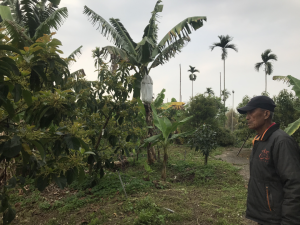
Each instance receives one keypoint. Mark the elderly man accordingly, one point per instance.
(274, 185)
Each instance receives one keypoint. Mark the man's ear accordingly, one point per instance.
(267, 114)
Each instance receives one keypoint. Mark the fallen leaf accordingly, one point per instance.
(115, 214)
(120, 203)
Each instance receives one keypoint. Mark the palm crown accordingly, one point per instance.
(224, 45)
(32, 18)
(266, 56)
(193, 70)
(149, 52)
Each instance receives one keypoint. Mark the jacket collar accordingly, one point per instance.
(267, 133)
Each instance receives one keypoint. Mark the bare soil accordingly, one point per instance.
(241, 161)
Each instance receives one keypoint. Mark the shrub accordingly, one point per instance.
(224, 137)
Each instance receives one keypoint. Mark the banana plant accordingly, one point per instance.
(146, 54)
(166, 136)
(292, 127)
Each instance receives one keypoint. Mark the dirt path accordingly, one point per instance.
(242, 162)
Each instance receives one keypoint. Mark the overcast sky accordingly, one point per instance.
(255, 26)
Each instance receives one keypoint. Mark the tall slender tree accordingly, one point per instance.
(224, 44)
(209, 91)
(148, 53)
(193, 76)
(266, 57)
(98, 61)
(225, 95)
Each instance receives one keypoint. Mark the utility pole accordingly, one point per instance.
(180, 84)
(232, 110)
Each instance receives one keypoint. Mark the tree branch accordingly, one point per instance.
(100, 136)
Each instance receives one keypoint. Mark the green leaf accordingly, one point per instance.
(41, 183)
(72, 142)
(84, 145)
(128, 138)
(12, 182)
(40, 71)
(14, 148)
(53, 21)
(89, 153)
(182, 30)
(292, 127)
(4, 203)
(61, 181)
(184, 134)
(55, 2)
(35, 82)
(154, 138)
(40, 148)
(81, 175)
(8, 106)
(71, 175)
(113, 140)
(27, 97)
(120, 120)
(17, 92)
(296, 85)
(5, 13)
(9, 48)
(9, 216)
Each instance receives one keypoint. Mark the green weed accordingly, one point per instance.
(44, 205)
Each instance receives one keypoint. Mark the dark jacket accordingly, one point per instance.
(274, 185)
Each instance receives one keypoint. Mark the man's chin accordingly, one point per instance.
(250, 126)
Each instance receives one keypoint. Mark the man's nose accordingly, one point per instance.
(247, 117)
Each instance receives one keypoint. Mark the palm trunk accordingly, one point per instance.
(224, 96)
(164, 169)
(192, 88)
(266, 82)
(224, 74)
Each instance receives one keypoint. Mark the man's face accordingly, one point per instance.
(256, 118)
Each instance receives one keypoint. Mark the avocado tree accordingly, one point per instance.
(146, 54)
(204, 139)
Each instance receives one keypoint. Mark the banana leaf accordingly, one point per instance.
(292, 127)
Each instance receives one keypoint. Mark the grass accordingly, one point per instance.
(192, 194)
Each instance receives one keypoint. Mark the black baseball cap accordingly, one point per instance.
(263, 102)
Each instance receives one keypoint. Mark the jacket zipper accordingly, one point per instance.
(267, 189)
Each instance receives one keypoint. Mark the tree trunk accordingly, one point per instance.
(206, 158)
(266, 82)
(224, 97)
(164, 169)
(192, 89)
(224, 74)
(150, 148)
(158, 154)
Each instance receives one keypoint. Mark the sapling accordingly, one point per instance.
(166, 136)
(204, 139)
